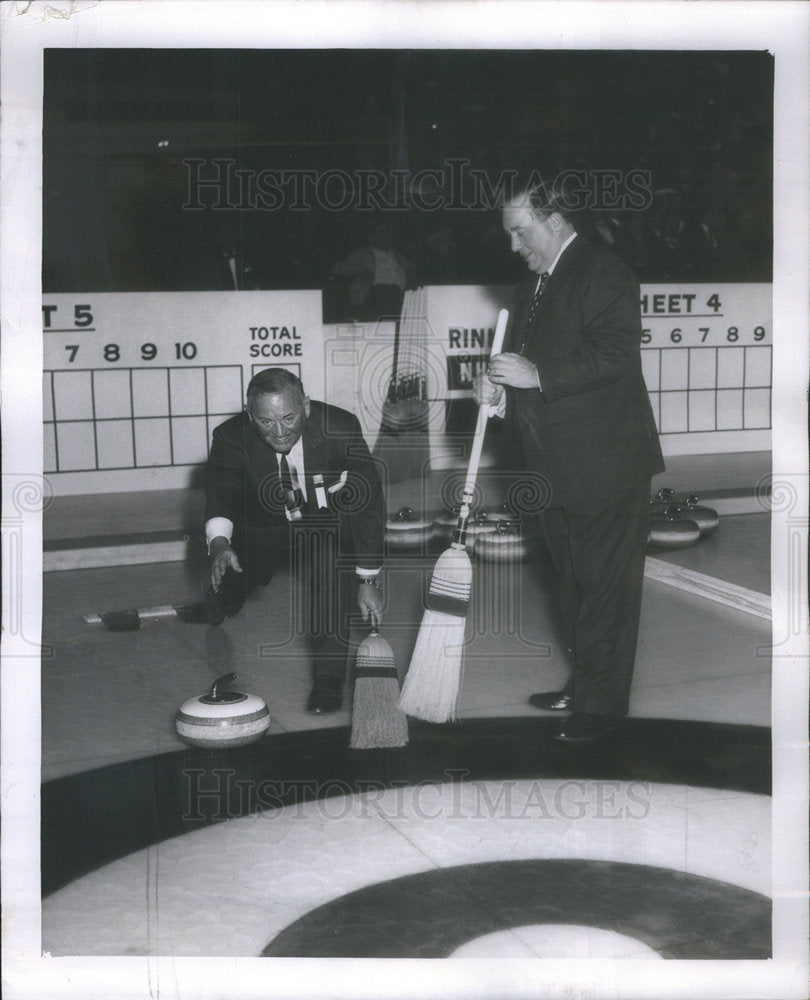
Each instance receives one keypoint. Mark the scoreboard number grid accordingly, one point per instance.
(707, 358)
(117, 397)
(108, 419)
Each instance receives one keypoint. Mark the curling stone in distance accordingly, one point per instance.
(669, 529)
(504, 544)
(406, 531)
(222, 718)
(445, 525)
(706, 518)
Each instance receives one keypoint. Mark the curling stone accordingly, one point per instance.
(706, 518)
(479, 527)
(406, 531)
(669, 529)
(222, 718)
(445, 525)
(504, 544)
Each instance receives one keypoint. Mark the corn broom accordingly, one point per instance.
(433, 680)
(377, 719)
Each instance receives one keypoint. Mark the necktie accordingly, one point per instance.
(293, 498)
(533, 309)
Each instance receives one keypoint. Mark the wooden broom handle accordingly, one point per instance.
(484, 411)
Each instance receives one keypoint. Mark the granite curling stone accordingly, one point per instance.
(444, 527)
(406, 531)
(505, 544)
(706, 518)
(669, 529)
(222, 718)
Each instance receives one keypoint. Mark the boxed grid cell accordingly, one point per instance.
(702, 368)
(112, 394)
(651, 369)
(152, 442)
(730, 364)
(675, 368)
(150, 392)
(187, 391)
(72, 395)
(756, 409)
(224, 388)
(757, 367)
(674, 413)
(47, 395)
(701, 410)
(189, 440)
(49, 448)
(115, 447)
(75, 446)
(729, 409)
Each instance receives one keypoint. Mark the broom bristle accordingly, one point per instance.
(433, 680)
(377, 719)
(450, 584)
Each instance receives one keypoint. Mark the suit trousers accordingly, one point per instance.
(323, 592)
(598, 550)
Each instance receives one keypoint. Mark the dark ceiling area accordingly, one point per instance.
(154, 157)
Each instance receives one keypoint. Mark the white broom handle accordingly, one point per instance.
(483, 413)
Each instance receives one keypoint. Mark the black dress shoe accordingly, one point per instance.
(551, 701)
(326, 695)
(582, 727)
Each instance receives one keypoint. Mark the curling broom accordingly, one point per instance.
(377, 719)
(433, 680)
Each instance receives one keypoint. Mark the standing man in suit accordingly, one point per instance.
(291, 476)
(570, 385)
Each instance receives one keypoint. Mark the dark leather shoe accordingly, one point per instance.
(326, 695)
(582, 727)
(551, 701)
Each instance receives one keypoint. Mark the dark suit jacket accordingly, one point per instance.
(241, 483)
(589, 431)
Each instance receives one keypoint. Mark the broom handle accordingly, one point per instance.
(484, 411)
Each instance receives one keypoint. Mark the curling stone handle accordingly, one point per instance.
(222, 681)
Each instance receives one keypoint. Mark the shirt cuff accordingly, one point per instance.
(367, 574)
(217, 527)
(499, 409)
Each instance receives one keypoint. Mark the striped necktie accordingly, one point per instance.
(293, 496)
(533, 309)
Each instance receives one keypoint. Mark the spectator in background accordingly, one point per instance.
(219, 263)
(377, 274)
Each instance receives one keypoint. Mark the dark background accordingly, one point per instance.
(119, 124)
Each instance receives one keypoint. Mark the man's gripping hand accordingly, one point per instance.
(485, 392)
(223, 558)
(370, 600)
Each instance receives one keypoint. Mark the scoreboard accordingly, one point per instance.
(134, 383)
(707, 357)
(705, 351)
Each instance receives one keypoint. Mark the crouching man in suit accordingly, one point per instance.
(290, 483)
(570, 386)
